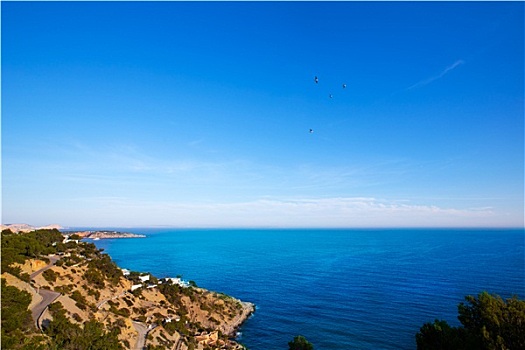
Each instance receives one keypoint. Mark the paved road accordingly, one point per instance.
(48, 296)
(143, 330)
(52, 261)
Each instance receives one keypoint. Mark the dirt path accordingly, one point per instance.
(179, 343)
(102, 302)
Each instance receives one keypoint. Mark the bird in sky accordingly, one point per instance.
(311, 131)
(344, 86)
(316, 80)
(331, 96)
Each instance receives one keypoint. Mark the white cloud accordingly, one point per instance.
(272, 212)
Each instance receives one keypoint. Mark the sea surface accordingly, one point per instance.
(341, 289)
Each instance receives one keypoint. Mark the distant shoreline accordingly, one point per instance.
(103, 234)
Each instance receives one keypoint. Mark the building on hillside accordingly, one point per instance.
(135, 286)
(178, 282)
(144, 278)
(67, 240)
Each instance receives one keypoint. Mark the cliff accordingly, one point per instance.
(135, 310)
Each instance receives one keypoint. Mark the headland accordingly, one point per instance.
(103, 234)
(70, 287)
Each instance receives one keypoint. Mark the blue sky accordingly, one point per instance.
(198, 114)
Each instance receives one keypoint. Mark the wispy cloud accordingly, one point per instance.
(439, 76)
(291, 212)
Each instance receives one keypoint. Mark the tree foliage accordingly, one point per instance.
(50, 275)
(16, 318)
(107, 267)
(69, 336)
(300, 343)
(94, 277)
(488, 322)
(16, 248)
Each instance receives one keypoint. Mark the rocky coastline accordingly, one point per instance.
(247, 310)
(133, 309)
(104, 234)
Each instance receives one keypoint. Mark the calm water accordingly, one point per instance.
(341, 289)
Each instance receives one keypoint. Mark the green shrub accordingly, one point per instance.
(25, 277)
(76, 296)
(94, 293)
(94, 277)
(50, 276)
(107, 267)
(66, 335)
(300, 343)
(123, 312)
(81, 306)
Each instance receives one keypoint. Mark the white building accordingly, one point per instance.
(67, 240)
(179, 282)
(135, 286)
(144, 278)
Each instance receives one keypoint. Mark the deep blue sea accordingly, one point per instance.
(341, 289)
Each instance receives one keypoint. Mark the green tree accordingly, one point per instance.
(440, 336)
(107, 267)
(19, 247)
(50, 275)
(488, 322)
(94, 277)
(494, 323)
(300, 343)
(92, 336)
(16, 318)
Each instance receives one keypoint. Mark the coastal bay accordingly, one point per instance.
(341, 289)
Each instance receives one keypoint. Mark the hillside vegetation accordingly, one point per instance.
(96, 308)
(488, 323)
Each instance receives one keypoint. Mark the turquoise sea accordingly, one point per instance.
(341, 289)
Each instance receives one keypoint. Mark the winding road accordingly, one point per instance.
(52, 261)
(142, 329)
(48, 296)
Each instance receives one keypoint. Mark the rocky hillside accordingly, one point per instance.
(28, 228)
(88, 302)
